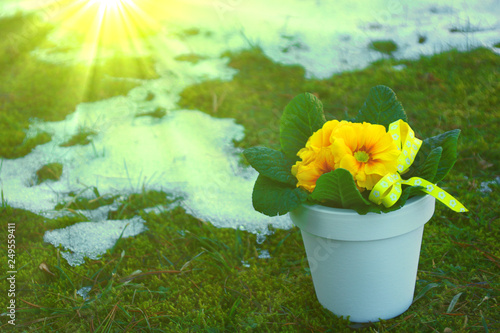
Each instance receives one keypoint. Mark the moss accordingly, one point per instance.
(83, 137)
(497, 45)
(383, 46)
(29, 143)
(158, 113)
(79, 203)
(192, 58)
(190, 32)
(136, 202)
(51, 171)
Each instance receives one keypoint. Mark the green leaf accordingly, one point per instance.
(429, 169)
(448, 141)
(381, 107)
(339, 189)
(274, 198)
(301, 118)
(271, 163)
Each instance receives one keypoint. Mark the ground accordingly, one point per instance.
(185, 275)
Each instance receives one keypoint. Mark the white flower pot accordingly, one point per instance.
(364, 266)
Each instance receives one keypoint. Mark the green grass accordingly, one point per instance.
(185, 275)
(156, 113)
(82, 137)
(51, 171)
(384, 46)
(191, 57)
(80, 202)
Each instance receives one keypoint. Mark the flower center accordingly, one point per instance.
(361, 156)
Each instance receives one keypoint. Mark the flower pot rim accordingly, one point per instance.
(349, 211)
(348, 225)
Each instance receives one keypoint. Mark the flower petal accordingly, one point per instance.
(328, 127)
(349, 134)
(325, 159)
(371, 180)
(350, 163)
(378, 168)
(307, 176)
(339, 150)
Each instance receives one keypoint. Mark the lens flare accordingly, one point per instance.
(120, 25)
(93, 33)
(108, 3)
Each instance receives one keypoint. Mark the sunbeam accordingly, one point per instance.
(100, 30)
(103, 26)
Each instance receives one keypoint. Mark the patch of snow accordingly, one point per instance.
(325, 37)
(260, 238)
(399, 67)
(485, 186)
(84, 292)
(264, 254)
(92, 239)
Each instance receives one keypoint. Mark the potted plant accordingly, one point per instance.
(361, 192)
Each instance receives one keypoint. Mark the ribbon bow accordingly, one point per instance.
(388, 189)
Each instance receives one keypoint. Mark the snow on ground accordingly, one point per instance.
(92, 239)
(192, 154)
(323, 36)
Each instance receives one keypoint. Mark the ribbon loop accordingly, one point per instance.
(387, 190)
(405, 140)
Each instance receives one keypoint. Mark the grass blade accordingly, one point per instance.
(483, 321)
(425, 290)
(65, 275)
(453, 302)
(119, 239)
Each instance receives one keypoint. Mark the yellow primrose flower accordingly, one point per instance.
(321, 138)
(367, 151)
(317, 157)
(307, 175)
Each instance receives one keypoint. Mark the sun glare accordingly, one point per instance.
(108, 3)
(95, 30)
(112, 4)
(120, 25)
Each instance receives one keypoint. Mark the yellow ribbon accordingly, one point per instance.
(388, 190)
